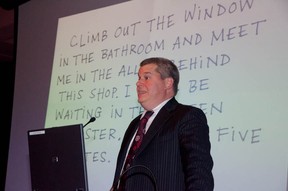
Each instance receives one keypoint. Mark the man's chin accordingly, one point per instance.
(140, 100)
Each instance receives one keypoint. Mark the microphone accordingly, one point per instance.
(92, 119)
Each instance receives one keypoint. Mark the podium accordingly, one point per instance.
(57, 159)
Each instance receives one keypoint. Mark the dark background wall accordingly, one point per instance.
(7, 82)
(8, 27)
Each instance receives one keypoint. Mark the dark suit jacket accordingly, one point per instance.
(174, 155)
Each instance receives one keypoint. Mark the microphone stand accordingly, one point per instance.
(150, 175)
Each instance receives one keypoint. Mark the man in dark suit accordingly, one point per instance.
(175, 152)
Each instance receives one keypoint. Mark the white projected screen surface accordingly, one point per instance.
(232, 58)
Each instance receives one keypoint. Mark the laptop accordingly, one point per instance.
(57, 159)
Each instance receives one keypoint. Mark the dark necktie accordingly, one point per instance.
(135, 145)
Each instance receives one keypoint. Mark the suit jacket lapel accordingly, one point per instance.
(126, 139)
(158, 123)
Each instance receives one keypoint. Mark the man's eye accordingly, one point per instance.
(146, 77)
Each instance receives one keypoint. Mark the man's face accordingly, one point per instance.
(151, 89)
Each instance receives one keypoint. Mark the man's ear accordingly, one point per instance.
(169, 83)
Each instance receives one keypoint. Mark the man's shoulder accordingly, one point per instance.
(189, 109)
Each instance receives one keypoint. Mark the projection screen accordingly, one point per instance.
(230, 59)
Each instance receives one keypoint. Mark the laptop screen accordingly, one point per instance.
(57, 159)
